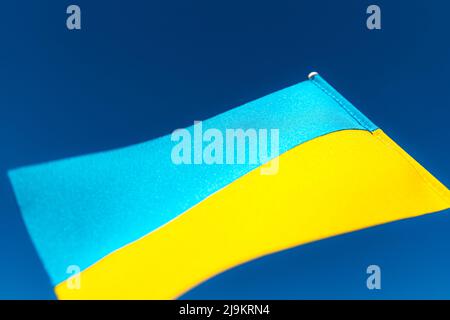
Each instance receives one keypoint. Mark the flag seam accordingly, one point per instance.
(434, 185)
(342, 104)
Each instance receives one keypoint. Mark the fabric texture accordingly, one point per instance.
(140, 226)
(337, 183)
(78, 210)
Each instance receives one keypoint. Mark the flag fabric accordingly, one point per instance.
(140, 226)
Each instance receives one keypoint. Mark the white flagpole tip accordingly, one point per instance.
(312, 75)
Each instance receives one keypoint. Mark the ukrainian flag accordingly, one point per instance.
(139, 226)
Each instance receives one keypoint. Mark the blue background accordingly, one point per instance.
(139, 69)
